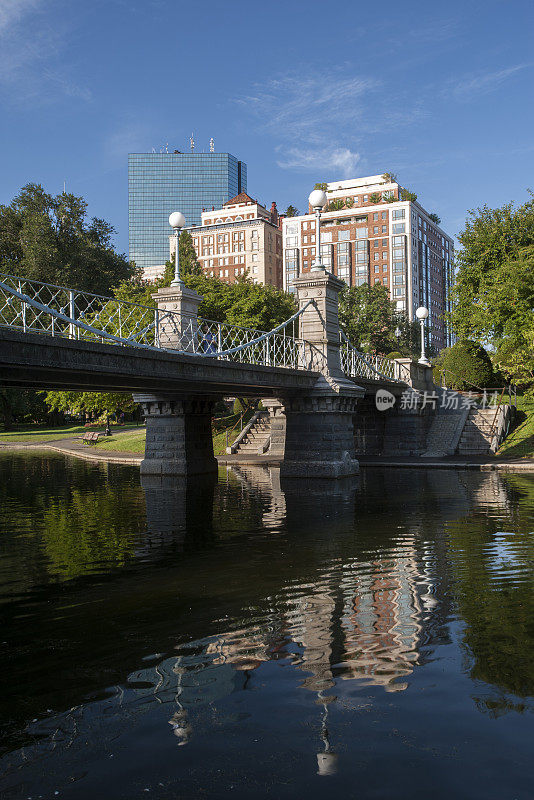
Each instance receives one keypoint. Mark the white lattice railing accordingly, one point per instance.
(37, 307)
(360, 365)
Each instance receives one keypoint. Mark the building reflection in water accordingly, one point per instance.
(360, 619)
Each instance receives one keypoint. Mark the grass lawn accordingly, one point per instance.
(134, 442)
(40, 433)
(520, 443)
(130, 442)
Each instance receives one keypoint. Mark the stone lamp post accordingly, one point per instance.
(177, 221)
(422, 315)
(317, 200)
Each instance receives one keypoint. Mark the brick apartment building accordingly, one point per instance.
(369, 234)
(241, 237)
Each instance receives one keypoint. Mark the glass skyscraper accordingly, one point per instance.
(159, 183)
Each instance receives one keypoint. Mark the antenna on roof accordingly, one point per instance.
(212, 145)
(166, 147)
(192, 141)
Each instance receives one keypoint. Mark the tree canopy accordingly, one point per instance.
(493, 294)
(494, 288)
(366, 315)
(49, 239)
(465, 366)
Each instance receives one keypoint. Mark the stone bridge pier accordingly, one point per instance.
(319, 439)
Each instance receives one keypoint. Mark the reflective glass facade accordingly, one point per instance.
(159, 183)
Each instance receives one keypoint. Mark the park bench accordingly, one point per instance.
(91, 437)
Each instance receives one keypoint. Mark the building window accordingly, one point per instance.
(384, 228)
(291, 241)
(361, 233)
(398, 279)
(384, 215)
(384, 254)
(398, 292)
(398, 227)
(377, 267)
(376, 255)
(326, 237)
(326, 254)
(375, 230)
(375, 217)
(343, 236)
(397, 213)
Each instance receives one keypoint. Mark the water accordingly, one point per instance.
(372, 638)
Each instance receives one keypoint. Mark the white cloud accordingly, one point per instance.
(483, 84)
(315, 120)
(319, 121)
(12, 11)
(30, 51)
(341, 161)
(305, 107)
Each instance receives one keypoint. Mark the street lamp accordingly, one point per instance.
(177, 221)
(422, 314)
(317, 200)
(398, 333)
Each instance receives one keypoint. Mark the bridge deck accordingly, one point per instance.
(35, 360)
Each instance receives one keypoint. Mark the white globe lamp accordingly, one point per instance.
(317, 198)
(176, 220)
(421, 313)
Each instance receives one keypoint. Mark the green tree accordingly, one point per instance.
(465, 366)
(494, 288)
(515, 357)
(389, 177)
(49, 239)
(24, 405)
(367, 318)
(335, 205)
(96, 403)
(406, 194)
(291, 211)
(322, 186)
(434, 217)
(374, 197)
(493, 294)
(409, 341)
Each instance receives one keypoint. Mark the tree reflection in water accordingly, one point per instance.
(342, 592)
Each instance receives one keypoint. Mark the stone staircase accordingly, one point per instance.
(476, 438)
(446, 429)
(255, 436)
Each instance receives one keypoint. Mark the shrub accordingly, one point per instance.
(465, 366)
(395, 354)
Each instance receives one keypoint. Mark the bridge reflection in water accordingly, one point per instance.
(309, 622)
(367, 618)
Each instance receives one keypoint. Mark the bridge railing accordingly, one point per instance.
(37, 307)
(359, 365)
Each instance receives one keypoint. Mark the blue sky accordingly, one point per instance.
(302, 91)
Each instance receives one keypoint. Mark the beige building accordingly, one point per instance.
(241, 237)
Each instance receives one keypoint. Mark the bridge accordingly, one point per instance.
(178, 364)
